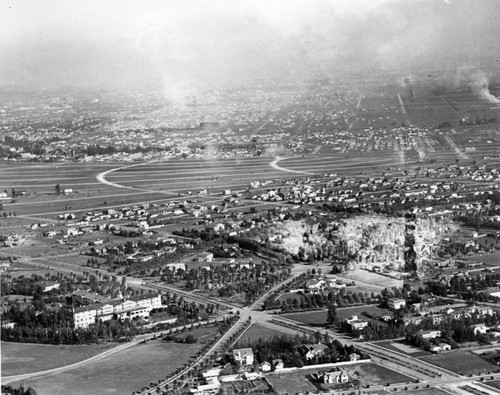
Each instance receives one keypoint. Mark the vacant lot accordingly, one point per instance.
(256, 332)
(311, 318)
(461, 362)
(19, 358)
(373, 374)
(487, 259)
(426, 391)
(368, 311)
(404, 347)
(292, 383)
(122, 373)
(319, 317)
(368, 278)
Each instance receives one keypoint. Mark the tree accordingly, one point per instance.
(332, 318)
(58, 189)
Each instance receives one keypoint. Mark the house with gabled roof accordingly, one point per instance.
(244, 356)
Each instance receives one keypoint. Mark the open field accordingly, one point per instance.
(373, 374)
(319, 317)
(256, 332)
(292, 383)
(425, 391)
(487, 259)
(462, 362)
(367, 278)
(149, 362)
(20, 358)
(404, 347)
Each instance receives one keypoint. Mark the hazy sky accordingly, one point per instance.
(123, 43)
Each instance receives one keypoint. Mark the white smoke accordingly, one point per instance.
(478, 81)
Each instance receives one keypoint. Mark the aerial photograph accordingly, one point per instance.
(217, 197)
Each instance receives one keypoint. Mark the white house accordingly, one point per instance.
(430, 334)
(480, 328)
(440, 347)
(396, 303)
(311, 351)
(244, 356)
(356, 323)
(336, 375)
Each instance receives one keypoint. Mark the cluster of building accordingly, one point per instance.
(245, 361)
(138, 306)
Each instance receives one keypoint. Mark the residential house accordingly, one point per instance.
(311, 351)
(48, 286)
(396, 303)
(336, 375)
(244, 356)
(480, 329)
(356, 323)
(440, 347)
(277, 364)
(430, 334)
(315, 285)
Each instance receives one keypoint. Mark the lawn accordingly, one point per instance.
(19, 358)
(372, 310)
(291, 383)
(461, 362)
(368, 277)
(255, 332)
(404, 347)
(126, 371)
(319, 317)
(121, 373)
(487, 259)
(311, 318)
(426, 391)
(373, 374)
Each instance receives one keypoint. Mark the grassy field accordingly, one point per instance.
(125, 372)
(19, 358)
(122, 373)
(487, 259)
(311, 318)
(373, 374)
(255, 332)
(425, 391)
(292, 383)
(462, 362)
(371, 310)
(404, 347)
(372, 278)
(319, 317)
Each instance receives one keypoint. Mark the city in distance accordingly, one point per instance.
(250, 197)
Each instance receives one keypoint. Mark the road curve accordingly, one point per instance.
(101, 177)
(274, 165)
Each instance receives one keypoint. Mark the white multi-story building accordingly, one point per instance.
(133, 307)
